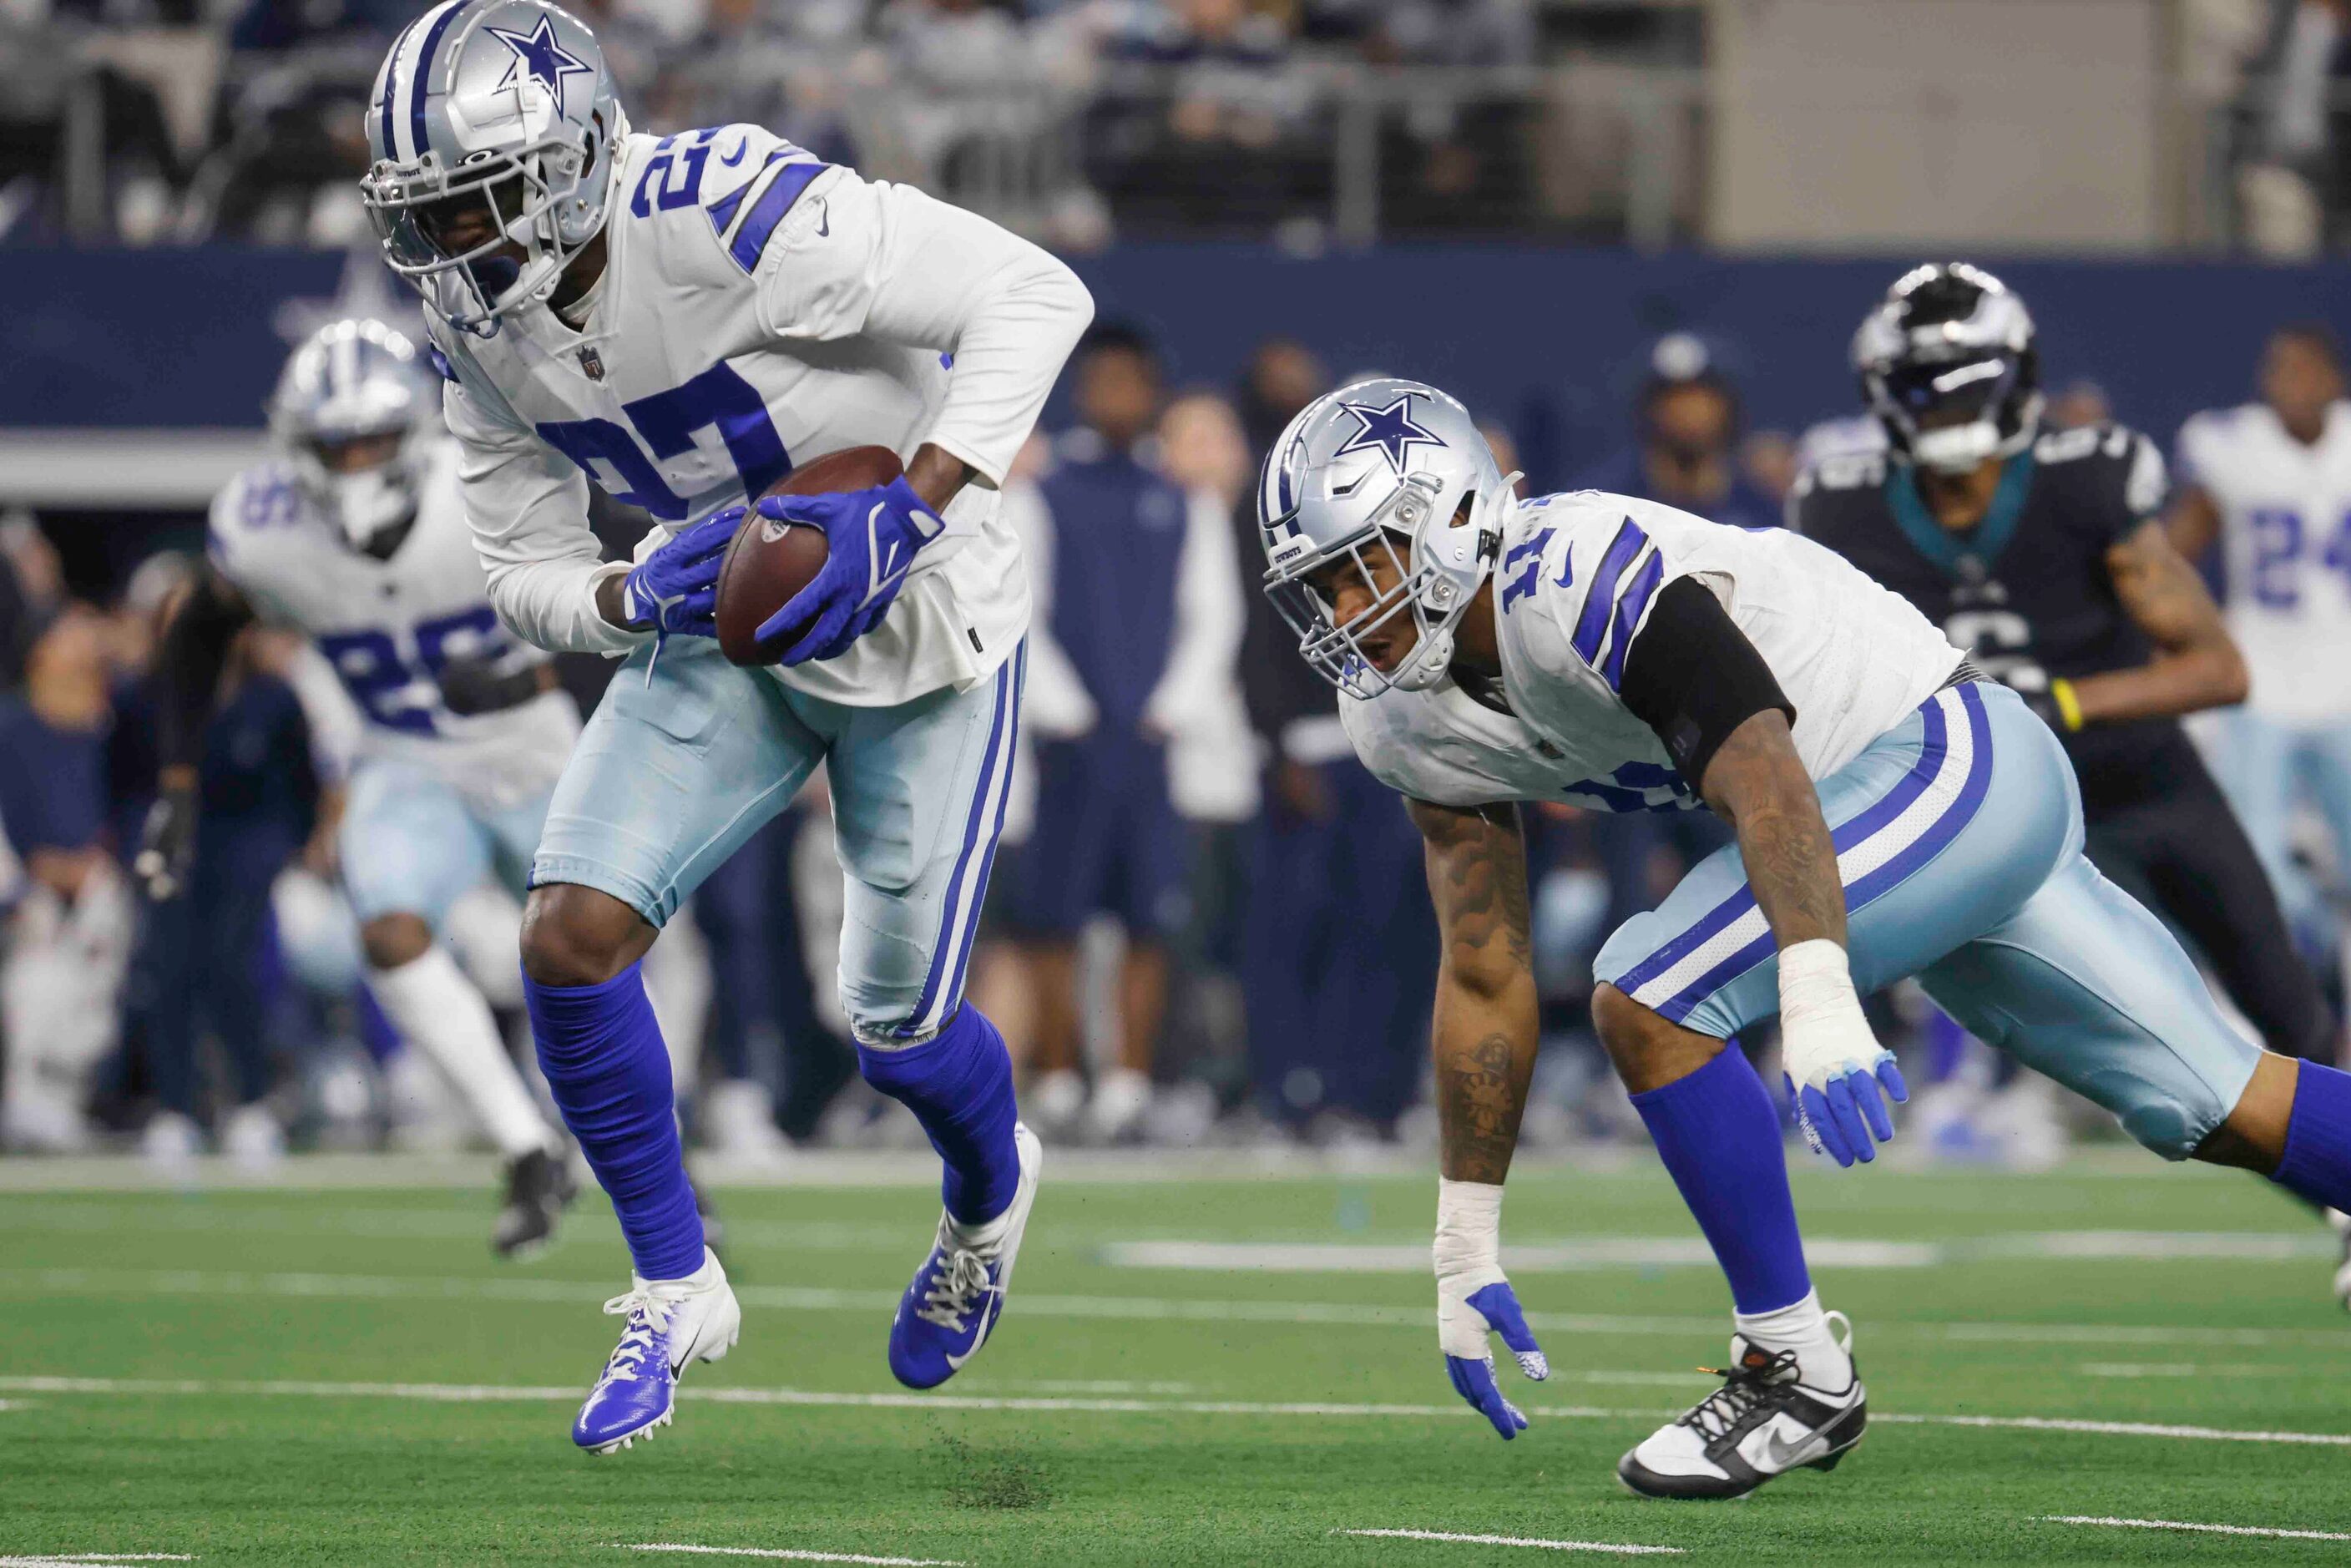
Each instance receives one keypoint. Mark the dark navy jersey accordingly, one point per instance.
(2027, 592)
(1118, 542)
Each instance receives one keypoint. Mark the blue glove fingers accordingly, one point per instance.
(1873, 1107)
(1848, 1117)
(1499, 1305)
(1815, 1109)
(821, 639)
(1474, 1381)
(713, 533)
(810, 510)
(1890, 1075)
(824, 592)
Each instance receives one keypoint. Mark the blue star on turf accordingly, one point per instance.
(1391, 430)
(538, 56)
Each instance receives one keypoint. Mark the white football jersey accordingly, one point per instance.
(387, 627)
(760, 308)
(2285, 537)
(1577, 577)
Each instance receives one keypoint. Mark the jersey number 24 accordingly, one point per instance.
(2280, 544)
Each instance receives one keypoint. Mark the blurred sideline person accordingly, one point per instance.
(1132, 668)
(70, 920)
(1333, 926)
(2042, 554)
(355, 536)
(2270, 482)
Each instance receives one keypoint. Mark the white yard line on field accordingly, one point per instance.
(92, 1559)
(2199, 1529)
(228, 1284)
(1579, 1253)
(794, 1553)
(476, 1393)
(2229, 1370)
(1619, 1548)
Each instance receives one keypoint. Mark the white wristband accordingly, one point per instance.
(1815, 984)
(1468, 1228)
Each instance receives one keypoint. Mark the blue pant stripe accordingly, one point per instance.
(943, 950)
(1857, 830)
(1885, 878)
(970, 934)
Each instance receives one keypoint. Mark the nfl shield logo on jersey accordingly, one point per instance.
(592, 362)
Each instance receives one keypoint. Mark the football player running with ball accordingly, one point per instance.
(1896, 815)
(682, 319)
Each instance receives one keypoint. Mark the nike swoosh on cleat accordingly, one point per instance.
(1785, 1456)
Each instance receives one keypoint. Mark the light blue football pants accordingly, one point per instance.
(2263, 767)
(673, 772)
(1959, 835)
(413, 844)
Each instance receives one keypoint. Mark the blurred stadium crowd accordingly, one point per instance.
(148, 121)
(1207, 924)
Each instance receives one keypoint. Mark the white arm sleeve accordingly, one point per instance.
(886, 261)
(527, 506)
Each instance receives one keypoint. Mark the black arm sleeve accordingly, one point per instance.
(1693, 676)
(188, 667)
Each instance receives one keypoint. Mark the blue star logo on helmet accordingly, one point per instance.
(540, 56)
(1391, 430)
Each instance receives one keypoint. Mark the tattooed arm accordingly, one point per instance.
(1485, 1030)
(1485, 1043)
(2196, 665)
(1757, 781)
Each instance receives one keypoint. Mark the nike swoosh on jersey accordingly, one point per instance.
(824, 220)
(736, 156)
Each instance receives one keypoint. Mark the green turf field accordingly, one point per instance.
(285, 1376)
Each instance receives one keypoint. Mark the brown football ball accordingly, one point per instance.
(768, 562)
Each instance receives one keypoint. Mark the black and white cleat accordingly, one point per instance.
(538, 1189)
(1764, 1421)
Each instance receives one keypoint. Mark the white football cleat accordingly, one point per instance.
(1764, 1422)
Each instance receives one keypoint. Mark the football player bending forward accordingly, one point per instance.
(1896, 815)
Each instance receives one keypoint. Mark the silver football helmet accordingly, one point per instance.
(353, 382)
(1949, 366)
(493, 133)
(1359, 472)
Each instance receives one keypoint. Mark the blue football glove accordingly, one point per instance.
(1834, 1065)
(675, 590)
(873, 537)
(1464, 1317)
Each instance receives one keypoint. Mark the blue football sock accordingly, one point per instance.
(609, 1072)
(958, 1084)
(2318, 1160)
(1720, 1137)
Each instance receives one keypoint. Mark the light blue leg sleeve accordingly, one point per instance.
(2085, 986)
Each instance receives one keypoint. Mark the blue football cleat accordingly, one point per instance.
(669, 1322)
(958, 1293)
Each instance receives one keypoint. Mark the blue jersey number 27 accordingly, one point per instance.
(717, 398)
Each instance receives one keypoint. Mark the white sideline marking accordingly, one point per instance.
(2187, 1369)
(1569, 1254)
(87, 1559)
(1519, 1541)
(2183, 1524)
(214, 1282)
(796, 1557)
(478, 1392)
(2125, 1430)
